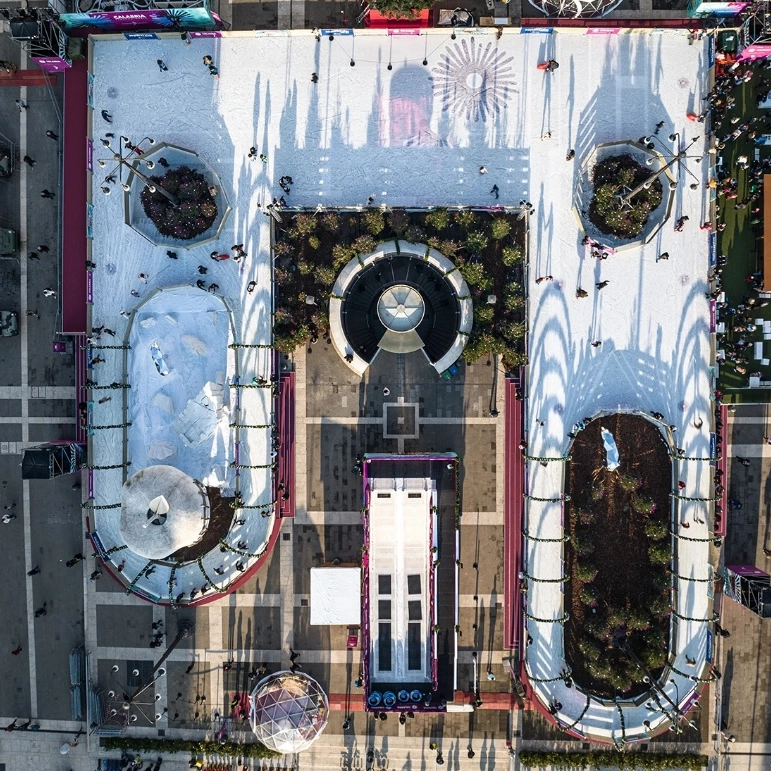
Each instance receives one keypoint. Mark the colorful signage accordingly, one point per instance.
(153, 18)
(51, 63)
(720, 9)
(755, 51)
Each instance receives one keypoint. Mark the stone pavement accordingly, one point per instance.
(745, 695)
(37, 403)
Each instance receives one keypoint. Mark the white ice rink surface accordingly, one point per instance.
(416, 136)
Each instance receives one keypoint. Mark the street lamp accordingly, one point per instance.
(625, 199)
(126, 152)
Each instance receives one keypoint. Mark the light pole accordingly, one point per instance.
(125, 153)
(625, 199)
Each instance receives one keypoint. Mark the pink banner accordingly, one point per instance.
(755, 51)
(50, 63)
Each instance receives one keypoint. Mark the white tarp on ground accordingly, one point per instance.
(187, 409)
(335, 596)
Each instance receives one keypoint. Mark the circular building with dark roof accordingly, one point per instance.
(400, 298)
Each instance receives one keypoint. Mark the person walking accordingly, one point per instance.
(494, 191)
(29, 161)
(50, 134)
(33, 313)
(48, 292)
(41, 611)
(663, 256)
(106, 116)
(744, 461)
(171, 255)
(602, 284)
(581, 292)
(17, 650)
(544, 278)
(596, 344)
(314, 78)
(22, 105)
(43, 248)
(33, 256)
(34, 571)
(161, 65)
(8, 518)
(46, 194)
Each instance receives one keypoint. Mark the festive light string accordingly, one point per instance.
(239, 551)
(252, 425)
(547, 500)
(251, 385)
(564, 539)
(548, 620)
(695, 678)
(560, 459)
(112, 386)
(691, 538)
(250, 345)
(206, 576)
(688, 578)
(114, 425)
(546, 580)
(580, 717)
(715, 617)
(233, 464)
(105, 347)
(240, 505)
(105, 468)
(89, 505)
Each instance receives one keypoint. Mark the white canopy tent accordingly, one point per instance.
(335, 596)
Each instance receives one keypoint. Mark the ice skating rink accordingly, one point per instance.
(416, 134)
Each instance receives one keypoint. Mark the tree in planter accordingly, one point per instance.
(512, 255)
(617, 176)
(629, 482)
(192, 214)
(659, 554)
(499, 228)
(439, 219)
(374, 222)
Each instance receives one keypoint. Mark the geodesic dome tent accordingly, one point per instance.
(288, 711)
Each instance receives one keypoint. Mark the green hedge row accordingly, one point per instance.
(231, 749)
(627, 761)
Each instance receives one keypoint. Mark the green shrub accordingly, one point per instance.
(465, 219)
(629, 482)
(364, 245)
(586, 517)
(656, 530)
(598, 491)
(660, 606)
(511, 359)
(438, 219)
(582, 543)
(586, 571)
(374, 221)
(305, 224)
(511, 255)
(514, 302)
(475, 275)
(449, 248)
(483, 314)
(414, 234)
(499, 228)
(514, 330)
(283, 249)
(642, 504)
(314, 242)
(588, 596)
(342, 254)
(629, 760)
(476, 242)
(653, 658)
(331, 221)
(399, 221)
(152, 745)
(617, 175)
(659, 554)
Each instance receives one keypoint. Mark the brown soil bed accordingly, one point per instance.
(612, 528)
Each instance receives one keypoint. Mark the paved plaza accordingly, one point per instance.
(413, 135)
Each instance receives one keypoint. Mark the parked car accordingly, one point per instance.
(9, 323)
(9, 242)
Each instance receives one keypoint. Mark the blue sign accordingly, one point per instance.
(712, 250)
(336, 32)
(713, 448)
(536, 30)
(710, 646)
(140, 35)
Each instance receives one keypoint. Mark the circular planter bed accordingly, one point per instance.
(196, 211)
(618, 557)
(616, 176)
